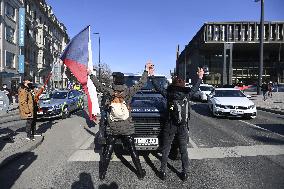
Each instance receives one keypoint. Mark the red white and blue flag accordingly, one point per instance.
(77, 56)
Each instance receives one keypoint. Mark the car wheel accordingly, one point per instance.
(65, 113)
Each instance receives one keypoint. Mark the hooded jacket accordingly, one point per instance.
(125, 127)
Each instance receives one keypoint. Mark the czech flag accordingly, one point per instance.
(77, 56)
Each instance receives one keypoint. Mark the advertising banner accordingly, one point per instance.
(21, 64)
(21, 27)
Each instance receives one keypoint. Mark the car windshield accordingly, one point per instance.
(206, 88)
(132, 80)
(228, 93)
(59, 95)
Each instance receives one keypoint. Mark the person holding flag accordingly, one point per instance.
(77, 56)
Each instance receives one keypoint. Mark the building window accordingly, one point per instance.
(10, 11)
(10, 60)
(10, 33)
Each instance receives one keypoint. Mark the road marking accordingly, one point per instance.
(192, 143)
(253, 125)
(198, 153)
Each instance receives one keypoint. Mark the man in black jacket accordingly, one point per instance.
(123, 129)
(176, 92)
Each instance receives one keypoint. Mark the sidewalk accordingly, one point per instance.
(274, 104)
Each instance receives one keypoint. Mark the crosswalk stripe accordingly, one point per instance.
(197, 153)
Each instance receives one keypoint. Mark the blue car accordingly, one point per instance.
(60, 103)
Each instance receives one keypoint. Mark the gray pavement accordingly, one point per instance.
(273, 104)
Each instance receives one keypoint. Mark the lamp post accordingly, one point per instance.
(260, 71)
(99, 55)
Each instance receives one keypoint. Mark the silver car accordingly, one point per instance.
(60, 104)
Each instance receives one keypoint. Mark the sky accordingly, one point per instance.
(135, 31)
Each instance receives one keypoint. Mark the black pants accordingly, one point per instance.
(30, 127)
(128, 141)
(168, 136)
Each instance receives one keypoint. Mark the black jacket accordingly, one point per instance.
(175, 93)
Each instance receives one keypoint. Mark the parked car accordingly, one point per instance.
(231, 102)
(203, 92)
(60, 104)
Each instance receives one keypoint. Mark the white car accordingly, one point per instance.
(231, 102)
(203, 92)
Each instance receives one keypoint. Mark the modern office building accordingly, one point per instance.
(9, 41)
(231, 52)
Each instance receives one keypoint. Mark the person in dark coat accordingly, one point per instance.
(176, 91)
(123, 129)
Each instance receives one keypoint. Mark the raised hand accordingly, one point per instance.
(200, 73)
(150, 68)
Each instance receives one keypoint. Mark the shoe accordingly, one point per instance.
(142, 175)
(102, 176)
(162, 175)
(184, 176)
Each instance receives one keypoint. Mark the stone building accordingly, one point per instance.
(9, 40)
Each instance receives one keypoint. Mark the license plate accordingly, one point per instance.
(40, 113)
(1, 102)
(236, 112)
(146, 141)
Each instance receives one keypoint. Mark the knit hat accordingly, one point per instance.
(118, 78)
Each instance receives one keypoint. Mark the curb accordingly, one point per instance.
(271, 110)
(17, 154)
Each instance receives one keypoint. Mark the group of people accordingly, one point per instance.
(267, 88)
(117, 116)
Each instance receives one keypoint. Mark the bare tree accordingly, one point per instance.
(106, 72)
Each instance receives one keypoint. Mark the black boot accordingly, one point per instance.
(162, 175)
(184, 176)
(141, 173)
(106, 156)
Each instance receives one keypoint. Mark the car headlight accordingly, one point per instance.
(251, 107)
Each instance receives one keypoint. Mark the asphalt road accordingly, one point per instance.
(224, 153)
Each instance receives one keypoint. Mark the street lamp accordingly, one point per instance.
(260, 71)
(99, 55)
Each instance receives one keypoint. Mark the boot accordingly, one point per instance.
(141, 173)
(162, 175)
(105, 160)
(184, 176)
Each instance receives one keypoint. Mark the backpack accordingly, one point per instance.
(119, 110)
(180, 111)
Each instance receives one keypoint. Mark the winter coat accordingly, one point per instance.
(175, 93)
(27, 104)
(125, 127)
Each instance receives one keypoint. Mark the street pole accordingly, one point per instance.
(99, 56)
(261, 49)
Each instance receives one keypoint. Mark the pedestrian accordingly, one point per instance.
(7, 92)
(264, 88)
(119, 118)
(270, 89)
(28, 105)
(178, 106)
